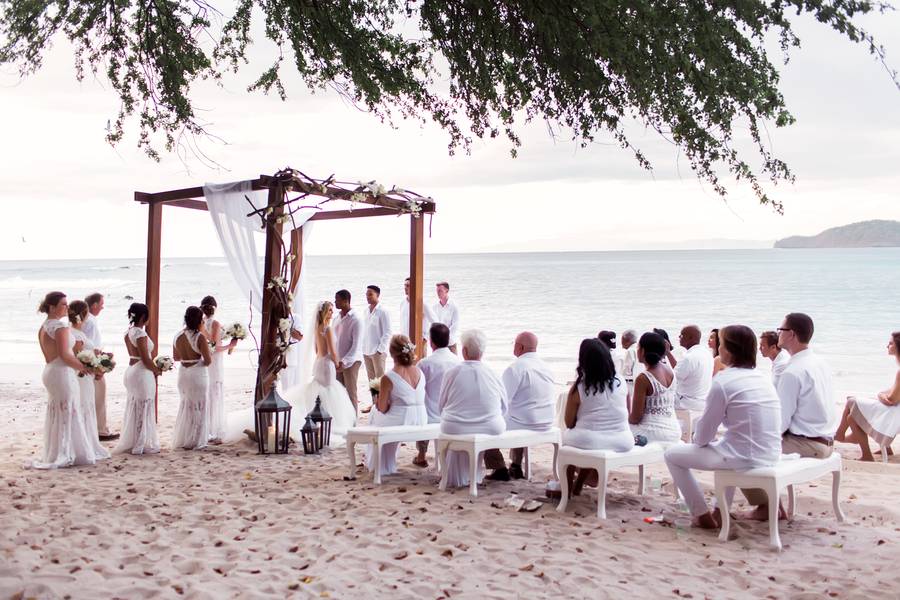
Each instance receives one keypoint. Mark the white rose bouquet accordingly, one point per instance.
(164, 363)
(88, 359)
(236, 331)
(105, 362)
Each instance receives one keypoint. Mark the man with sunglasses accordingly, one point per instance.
(807, 402)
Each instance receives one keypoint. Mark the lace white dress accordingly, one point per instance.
(139, 434)
(216, 396)
(334, 397)
(88, 405)
(407, 408)
(659, 423)
(191, 429)
(65, 442)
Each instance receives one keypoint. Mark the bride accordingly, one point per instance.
(324, 384)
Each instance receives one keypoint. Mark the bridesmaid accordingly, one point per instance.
(713, 344)
(139, 434)
(78, 312)
(191, 348)
(213, 331)
(65, 441)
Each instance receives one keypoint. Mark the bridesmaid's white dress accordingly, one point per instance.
(216, 396)
(407, 408)
(191, 429)
(139, 434)
(88, 405)
(65, 442)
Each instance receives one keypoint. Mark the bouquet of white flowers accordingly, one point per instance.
(164, 363)
(374, 386)
(236, 331)
(88, 359)
(105, 362)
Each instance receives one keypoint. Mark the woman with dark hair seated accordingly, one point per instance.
(596, 414)
(743, 400)
(653, 405)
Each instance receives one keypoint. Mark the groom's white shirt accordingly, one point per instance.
(448, 314)
(92, 331)
(349, 333)
(378, 331)
(427, 318)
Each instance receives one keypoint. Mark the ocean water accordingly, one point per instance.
(852, 294)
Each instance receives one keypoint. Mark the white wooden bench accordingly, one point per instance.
(605, 461)
(787, 473)
(475, 444)
(378, 436)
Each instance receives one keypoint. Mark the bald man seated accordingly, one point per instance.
(693, 373)
(531, 391)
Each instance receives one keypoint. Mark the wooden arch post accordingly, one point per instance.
(271, 268)
(151, 291)
(417, 282)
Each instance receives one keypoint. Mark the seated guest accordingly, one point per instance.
(653, 405)
(618, 355)
(631, 368)
(713, 343)
(668, 358)
(472, 400)
(401, 399)
(532, 403)
(694, 371)
(743, 400)
(877, 417)
(807, 402)
(434, 368)
(768, 347)
(596, 413)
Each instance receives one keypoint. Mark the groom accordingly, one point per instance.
(349, 332)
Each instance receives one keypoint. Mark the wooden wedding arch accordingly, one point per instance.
(309, 193)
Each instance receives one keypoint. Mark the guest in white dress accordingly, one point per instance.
(191, 349)
(473, 400)
(401, 399)
(768, 347)
(139, 435)
(596, 414)
(434, 368)
(531, 392)
(744, 401)
(78, 312)
(652, 412)
(213, 331)
(878, 418)
(618, 354)
(714, 345)
(66, 443)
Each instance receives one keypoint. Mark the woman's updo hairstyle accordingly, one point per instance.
(654, 347)
(138, 314)
(49, 301)
(608, 338)
(208, 305)
(320, 313)
(193, 318)
(78, 311)
(402, 350)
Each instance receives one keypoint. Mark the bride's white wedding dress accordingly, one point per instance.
(325, 386)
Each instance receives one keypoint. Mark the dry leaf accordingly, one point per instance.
(401, 555)
(448, 553)
(528, 567)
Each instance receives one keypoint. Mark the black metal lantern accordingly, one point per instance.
(322, 420)
(273, 423)
(308, 434)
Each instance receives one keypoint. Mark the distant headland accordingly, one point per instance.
(865, 234)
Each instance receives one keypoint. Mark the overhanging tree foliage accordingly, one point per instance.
(696, 71)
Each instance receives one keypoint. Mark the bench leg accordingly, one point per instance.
(772, 494)
(351, 452)
(564, 489)
(474, 456)
(640, 480)
(722, 503)
(835, 495)
(526, 464)
(437, 456)
(376, 462)
(603, 473)
(555, 459)
(792, 502)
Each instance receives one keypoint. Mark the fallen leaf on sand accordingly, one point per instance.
(307, 579)
(448, 553)
(528, 567)
(401, 555)
(248, 475)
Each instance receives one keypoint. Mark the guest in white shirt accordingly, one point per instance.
(434, 368)
(472, 400)
(91, 329)
(378, 334)
(349, 334)
(693, 373)
(427, 314)
(446, 312)
(808, 415)
(631, 367)
(532, 403)
(744, 401)
(768, 347)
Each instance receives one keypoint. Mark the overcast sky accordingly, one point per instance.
(68, 194)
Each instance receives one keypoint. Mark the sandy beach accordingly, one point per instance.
(226, 523)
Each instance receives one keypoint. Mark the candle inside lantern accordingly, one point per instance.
(271, 438)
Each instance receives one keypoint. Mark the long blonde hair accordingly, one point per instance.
(320, 314)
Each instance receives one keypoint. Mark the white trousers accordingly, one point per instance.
(682, 458)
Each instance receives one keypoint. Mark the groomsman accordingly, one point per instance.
(378, 334)
(768, 347)
(427, 315)
(349, 333)
(446, 312)
(92, 331)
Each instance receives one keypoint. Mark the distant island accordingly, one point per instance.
(865, 234)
